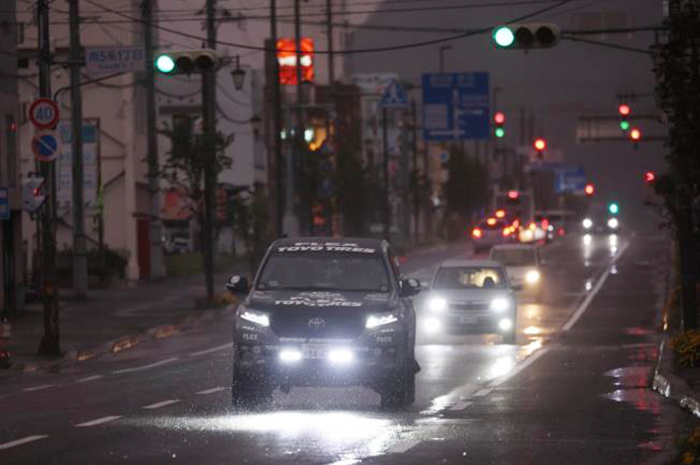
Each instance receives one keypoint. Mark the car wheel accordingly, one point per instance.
(249, 393)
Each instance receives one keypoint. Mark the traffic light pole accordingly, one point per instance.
(277, 127)
(50, 342)
(80, 269)
(387, 189)
(155, 226)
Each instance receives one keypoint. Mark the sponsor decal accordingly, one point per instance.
(326, 247)
(309, 301)
(250, 337)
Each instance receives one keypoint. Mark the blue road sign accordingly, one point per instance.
(4, 204)
(571, 179)
(45, 146)
(394, 96)
(456, 106)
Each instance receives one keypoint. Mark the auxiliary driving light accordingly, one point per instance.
(532, 276)
(587, 223)
(290, 355)
(505, 324)
(341, 356)
(437, 304)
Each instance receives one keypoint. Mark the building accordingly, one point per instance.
(11, 250)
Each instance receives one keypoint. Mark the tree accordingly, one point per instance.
(250, 221)
(466, 190)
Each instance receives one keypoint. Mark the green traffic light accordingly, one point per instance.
(613, 208)
(624, 125)
(165, 64)
(500, 132)
(503, 36)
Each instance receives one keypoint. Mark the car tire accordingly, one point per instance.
(250, 393)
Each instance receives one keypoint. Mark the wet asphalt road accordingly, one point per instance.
(573, 390)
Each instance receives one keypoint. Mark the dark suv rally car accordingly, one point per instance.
(325, 312)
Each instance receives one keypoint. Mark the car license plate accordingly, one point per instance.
(314, 351)
(468, 319)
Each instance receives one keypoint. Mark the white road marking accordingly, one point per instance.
(19, 442)
(598, 286)
(213, 349)
(483, 392)
(460, 406)
(145, 367)
(520, 367)
(38, 388)
(89, 378)
(161, 404)
(402, 447)
(212, 390)
(98, 421)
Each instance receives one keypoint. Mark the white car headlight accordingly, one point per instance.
(587, 223)
(500, 304)
(613, 223)
(437, 304)
(532, 276)
(380, 319)
(258, 318)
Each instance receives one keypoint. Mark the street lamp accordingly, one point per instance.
(238, 75)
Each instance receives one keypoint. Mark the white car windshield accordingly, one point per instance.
(455, 278)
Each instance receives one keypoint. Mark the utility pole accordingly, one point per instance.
(416, 191)
(333, 112)
(50, 342)
(299, 131)
(209, 114)
(155, 227)
(80, 271)
(277, 126)
(387, 187)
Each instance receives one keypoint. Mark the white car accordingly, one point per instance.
(469, 296)
(523, 265)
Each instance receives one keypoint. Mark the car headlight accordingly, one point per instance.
(532, 276)
(259, 318)
(380, 319)
(500, 304)
(587, 223)
(613, 223)
(437, 304)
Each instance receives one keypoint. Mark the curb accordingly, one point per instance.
(672, 386)
(127, 342)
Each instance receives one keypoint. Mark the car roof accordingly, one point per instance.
(360, 241)
(457, 263)
(515, 247)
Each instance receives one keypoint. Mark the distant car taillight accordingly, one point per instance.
(476, 233)
(533, 226)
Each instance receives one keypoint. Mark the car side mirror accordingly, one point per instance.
(410, 287)
(238, 285)
(517, 287)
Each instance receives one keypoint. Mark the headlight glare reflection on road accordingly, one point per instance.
(341, 356)
(290, 355)
(258, 318)
(380, 319)
(437, 304)
(505, 324)
(587, 223)
(432, 325)
(587, 239)
(500, 304)
(532, 277)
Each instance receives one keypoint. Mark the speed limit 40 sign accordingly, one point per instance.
(43, 113)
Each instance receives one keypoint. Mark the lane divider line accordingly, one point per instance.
(38, 388)
(161, 404)
(598, 286)
(19, 442)
(520, 367)
(89, 378)
(212, 390)
(213, 349)
(98, 421)
(145, 367)
(460, 406)
(402, 447)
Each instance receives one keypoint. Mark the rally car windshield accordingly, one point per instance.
(324, 272)
(514, 257)
(455, 278)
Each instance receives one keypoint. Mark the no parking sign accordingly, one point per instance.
(45, 146)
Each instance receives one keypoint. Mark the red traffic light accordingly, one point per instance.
(649, 176)
(513, 195)
(589, 189)
(499, 118)
(624, 109)
(635, 134)
(540, 144)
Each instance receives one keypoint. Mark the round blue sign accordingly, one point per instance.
(45, 147)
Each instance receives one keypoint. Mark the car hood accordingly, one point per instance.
(517, 273)
(320, 302)
(468, 295)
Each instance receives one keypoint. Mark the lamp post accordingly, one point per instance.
(238, 75)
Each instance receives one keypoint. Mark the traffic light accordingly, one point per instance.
(526, 36)
(187, 61)
(635, 135)
(624, 110)
(540, 145)
(589, 189)
(650, 177)
(499, 119)
(33, 197)
(613, 208)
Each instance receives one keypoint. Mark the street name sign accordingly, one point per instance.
(111, 60)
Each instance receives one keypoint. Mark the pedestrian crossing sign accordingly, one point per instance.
(394, 96)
